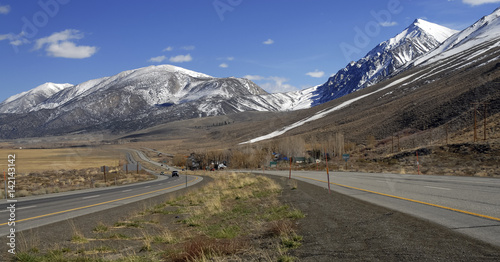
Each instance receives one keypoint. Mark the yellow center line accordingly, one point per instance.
(98, 204)
(407, 199)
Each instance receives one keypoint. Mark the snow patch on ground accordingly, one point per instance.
(322, 113)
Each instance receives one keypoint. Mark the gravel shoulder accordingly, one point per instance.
(341, 228)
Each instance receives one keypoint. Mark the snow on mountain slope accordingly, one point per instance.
(484, 30)
(289, 101)
(25, 101)
(463, 49)
(135, 99)
(384, 60)
(156, 85)
(323, 113)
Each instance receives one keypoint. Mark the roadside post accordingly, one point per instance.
(346, 157)
(186, 180)
(290, 173)
(327, 173)
(418, 164)
(104, 169)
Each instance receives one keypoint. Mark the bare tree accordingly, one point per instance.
(338, 144)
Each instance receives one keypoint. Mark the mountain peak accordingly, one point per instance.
(486, 29)
(24, 101)
(439, 32)
(173, 69)
(385, 59)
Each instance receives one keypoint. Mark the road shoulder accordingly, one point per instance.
(340, 227)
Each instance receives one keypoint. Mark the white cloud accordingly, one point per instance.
(272, 84)
(168, 49)
(224, 65)
(188, 47)
(316, 74)
(479, 2)
(180, 58)
(59, 45)
(4, 9)
(388, 24)
(15, 40)
(268, 42)
(254, 77)
(157, 59)
(70, 50)
(228, 58)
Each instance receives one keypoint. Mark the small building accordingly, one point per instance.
(299, 160)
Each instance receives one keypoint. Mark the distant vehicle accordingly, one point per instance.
(175, 174)
(162, 173)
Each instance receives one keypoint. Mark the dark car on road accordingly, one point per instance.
(175, 174)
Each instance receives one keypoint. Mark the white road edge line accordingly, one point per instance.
(127, 190)
(91, 197)
(440, 188)
(17, 208)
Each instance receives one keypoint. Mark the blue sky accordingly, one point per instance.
(281, 45)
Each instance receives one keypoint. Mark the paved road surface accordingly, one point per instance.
(35, 211)
(470, 205)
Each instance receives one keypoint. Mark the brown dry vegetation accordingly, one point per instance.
(47, 182)
(38, 160)
(45, 171)
(236, 217)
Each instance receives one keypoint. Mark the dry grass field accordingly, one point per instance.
(37, 160)
(46, 171)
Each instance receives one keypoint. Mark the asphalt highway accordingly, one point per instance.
(34, 211)
(470, 205)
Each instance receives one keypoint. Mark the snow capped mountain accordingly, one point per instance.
(140, 97)
(156, 86)
(384, 60)
(471, 49)
(486, 30)
(144, 97)
(25, 101)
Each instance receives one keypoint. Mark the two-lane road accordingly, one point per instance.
(34, 211)
(470, 205)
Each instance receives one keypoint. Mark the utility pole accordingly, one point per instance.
(484, 133)
(475, 121)
(446, 128)
(392, 144)
(399, 148)
(484, 120)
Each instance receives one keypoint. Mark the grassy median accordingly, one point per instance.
(236, 217)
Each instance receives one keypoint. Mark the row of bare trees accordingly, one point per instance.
(260, 154)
